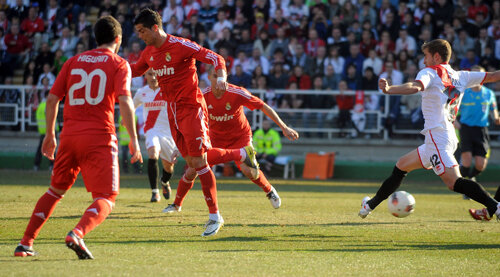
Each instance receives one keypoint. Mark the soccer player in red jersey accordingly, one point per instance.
(91, 83)
(229, 128)
(173, 60)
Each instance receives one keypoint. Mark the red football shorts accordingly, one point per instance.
(95, 155)
(225, 144)
(189, 128)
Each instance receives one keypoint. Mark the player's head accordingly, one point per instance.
(148, 23)
(151, 78)
(436, 51)
(107, 30)
(212, 77)
(266, 124)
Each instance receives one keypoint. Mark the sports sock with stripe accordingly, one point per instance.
(43, 209)
(95, 214)
(209, 187)
(182, 189)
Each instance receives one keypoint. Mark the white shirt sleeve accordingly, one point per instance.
(137, 98)
(471, 78)
(425, 76)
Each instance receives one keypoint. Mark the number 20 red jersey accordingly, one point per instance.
(91, 83)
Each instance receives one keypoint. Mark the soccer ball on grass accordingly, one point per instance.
(401, 204)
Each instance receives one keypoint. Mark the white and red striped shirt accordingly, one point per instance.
(154, 109)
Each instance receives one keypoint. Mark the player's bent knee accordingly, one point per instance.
(109, 198)
(60, 192)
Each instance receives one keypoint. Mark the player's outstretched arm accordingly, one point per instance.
(406, 88)
(288, 132)
(49, 142)
(127, 113)
(492, 77)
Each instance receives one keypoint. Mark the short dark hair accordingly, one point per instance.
(148, 18)
(106, 29)
(440, 46)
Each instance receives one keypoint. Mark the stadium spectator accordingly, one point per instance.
(367, 42)
(172, 9)
(29, 70)
(19, 10)
(315, 101)
(469, 60)
(174, 26)
(313, 43)
(33, 27)
(280, 42)
(67, 42)
(240, 77)
(300, 58)
(245, 44)
(298, 10)
(403, 62)
(47, 73)
(279, 22)
(366, 12)
(194, 27)
(353, 78)
(240, 24)
(88, 42)
(356, 58)
(331, 79)
(59, 60)
(224, 52)
(373, 61)
(336, 61)
(302, 79)
(82, 24)
(18, 47)
(318, 62)
(263, 43)
(395, 77)
(405, 42)
(337, 40)
(4, 21)
(345, 103)
(208, 16)
(221, 24)
(483, 41)
(278, 79)
(260, 24)
(108, 8)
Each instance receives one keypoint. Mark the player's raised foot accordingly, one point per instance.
(166, 190)
(250, 159)
(365, 208)
(480, 214)
(23, 251)
(212, 227)
(155, 197)
(172, 208)
(274, 198)
(77, 244)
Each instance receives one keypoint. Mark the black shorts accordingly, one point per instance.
(474, 139)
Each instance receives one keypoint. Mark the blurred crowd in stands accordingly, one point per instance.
(268, 44)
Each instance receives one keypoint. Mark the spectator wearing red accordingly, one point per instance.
(313, 43)
(385, 45)
(367, 42)
(33, 27)
(260, 24)
(18, 46)
(477, 7)
(345, 103)
(303, 80)
(190, 7)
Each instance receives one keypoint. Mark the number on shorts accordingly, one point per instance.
(86, 82)
(435, 160)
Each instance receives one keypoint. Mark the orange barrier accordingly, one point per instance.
(319, 166)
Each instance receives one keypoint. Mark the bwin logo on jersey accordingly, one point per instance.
(164, 71)
(220, 118)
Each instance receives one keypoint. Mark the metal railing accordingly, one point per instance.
(310, 122)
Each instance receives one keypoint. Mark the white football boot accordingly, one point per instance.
(172, 208)
(274, 198)
(212, 227)
(365, 209)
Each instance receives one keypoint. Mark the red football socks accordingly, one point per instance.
(43, 209)
(220, 156)
(95, 214)
(182, 189)
(209, 187)
(262, 182)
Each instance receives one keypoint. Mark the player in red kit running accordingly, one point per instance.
(173, 60)
(91, 83)
(229, 128)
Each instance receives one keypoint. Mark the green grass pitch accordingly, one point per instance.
(316, 232)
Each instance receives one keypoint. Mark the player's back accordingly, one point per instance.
(91, 83)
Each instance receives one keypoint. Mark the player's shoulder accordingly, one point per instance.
(238, 91)
(183, 42)
(206, 90)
